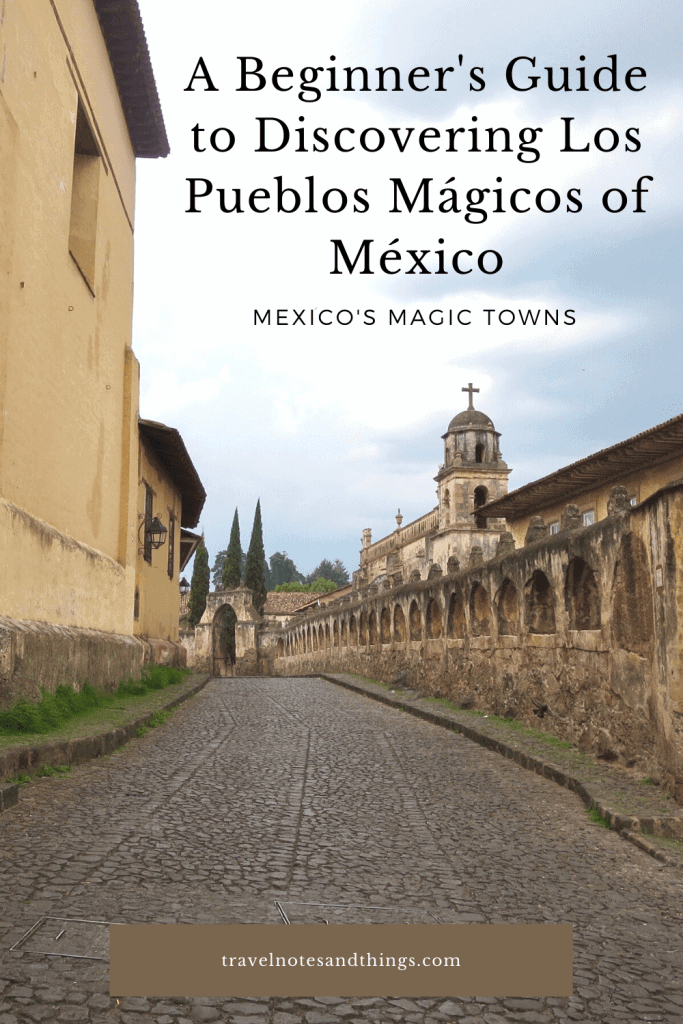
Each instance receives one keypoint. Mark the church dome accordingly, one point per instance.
(470, 418)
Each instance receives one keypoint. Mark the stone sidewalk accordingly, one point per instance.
(299, 791)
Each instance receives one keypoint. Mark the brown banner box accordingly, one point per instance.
(341, 960)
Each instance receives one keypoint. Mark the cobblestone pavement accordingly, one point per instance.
(296, 790)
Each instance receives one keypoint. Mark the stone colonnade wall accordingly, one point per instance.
(578, 634)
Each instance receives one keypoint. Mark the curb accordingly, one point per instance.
(628, 826)
(77, 751)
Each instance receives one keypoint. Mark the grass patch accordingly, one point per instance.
(158, 718)
(20, 780)
(446, 703)
(56, 709)
(596, 817)
(536, 734)
(59, 769)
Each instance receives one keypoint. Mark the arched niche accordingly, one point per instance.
(433, 620)
(480, 611)
(508, 609)
(456, 624)
(539, 604)
(581, 595)
(400, 631)
(415, 621)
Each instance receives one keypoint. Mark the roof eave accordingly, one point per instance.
(124, 35)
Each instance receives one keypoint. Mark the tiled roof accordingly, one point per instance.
(638, 452)
(123, 32)
(287, 604)
(169, 448)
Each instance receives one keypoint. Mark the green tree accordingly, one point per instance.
(322, 586)
(330, 571)
(255, 571)
(217, 569)
(340, 573)
(319, 586)
(282, 570)
(199, 588)
(232, 569)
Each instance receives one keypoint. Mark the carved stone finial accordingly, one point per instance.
(571, 518)
(453, 564)
(434, 571)
(537, 530)
(476, 556)
(415, 576)
(505, 545)
(399, 519)
(618, 501)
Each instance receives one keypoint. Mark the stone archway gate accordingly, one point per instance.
(209, 651)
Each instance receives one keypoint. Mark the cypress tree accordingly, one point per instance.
(254, 573)
(199, 588)
(232, 569)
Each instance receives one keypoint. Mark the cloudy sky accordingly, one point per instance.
(335, 427)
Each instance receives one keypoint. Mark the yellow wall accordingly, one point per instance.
(68, 380)
(158, 593)
(640, 484)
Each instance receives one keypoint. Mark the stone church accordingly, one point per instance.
(454, 534)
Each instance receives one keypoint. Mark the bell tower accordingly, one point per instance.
(473, 473)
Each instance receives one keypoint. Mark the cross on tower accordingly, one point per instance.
(470, 390)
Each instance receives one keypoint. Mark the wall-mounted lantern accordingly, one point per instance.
(184, 587)
(155, 534)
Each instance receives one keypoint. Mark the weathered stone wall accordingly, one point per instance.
(578, 634)
(41, 655)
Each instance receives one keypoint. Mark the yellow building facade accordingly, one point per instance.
(640, 466)
(170, 492)
(78, 104)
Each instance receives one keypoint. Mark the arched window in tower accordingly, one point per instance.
(479, 451)
(481, 495)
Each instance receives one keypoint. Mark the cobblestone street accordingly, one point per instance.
(300, 791)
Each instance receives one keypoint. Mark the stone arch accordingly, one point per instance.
(372, 628)
(400, 632)
(457, 626)
(280, 648)
(321, 637)
(335, 634)
(363, 629)
(481, 496)
(508, 609)
(344, 634)
(327, 634)
(353, 632)
(385, 626)
(415, 620)
(480, 611)
(479, 452)
(581, 595)
(433, 620)
(224, 640)
(632, 615)
(539, 602)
